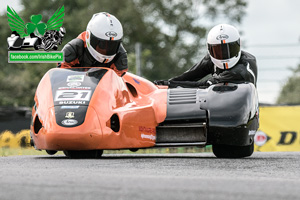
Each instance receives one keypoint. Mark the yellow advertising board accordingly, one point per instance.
(10, 140)
(279, 129)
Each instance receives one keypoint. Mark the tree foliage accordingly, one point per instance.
(172, 34)
(290, 92)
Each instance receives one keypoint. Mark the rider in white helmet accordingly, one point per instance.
(224, 46)
(225, 61)
(99, 46)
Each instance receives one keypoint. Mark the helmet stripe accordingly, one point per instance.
(225, 65)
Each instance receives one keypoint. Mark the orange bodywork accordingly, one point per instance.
(137, 103)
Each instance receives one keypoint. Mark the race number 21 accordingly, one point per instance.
(63, 95)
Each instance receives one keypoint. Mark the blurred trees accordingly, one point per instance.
(290, 92)
(172, 34)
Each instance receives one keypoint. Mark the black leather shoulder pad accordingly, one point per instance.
(73, 49)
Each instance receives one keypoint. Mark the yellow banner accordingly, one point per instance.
(279, 129)
(10, 140)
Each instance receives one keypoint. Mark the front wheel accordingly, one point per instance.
(229, 151)
(51, 152)
(84, 154)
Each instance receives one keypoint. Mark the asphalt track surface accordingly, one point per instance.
(163, 176)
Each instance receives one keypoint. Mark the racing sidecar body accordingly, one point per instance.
(83, 111)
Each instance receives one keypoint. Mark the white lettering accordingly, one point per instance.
(150, 137)
(82, 95)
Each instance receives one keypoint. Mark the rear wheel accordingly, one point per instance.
(229, 151)
(84, 154)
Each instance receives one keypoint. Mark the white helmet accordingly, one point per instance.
(104, 34)
(223, 43)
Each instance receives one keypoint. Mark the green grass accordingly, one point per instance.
(4, 151)
(20, 151)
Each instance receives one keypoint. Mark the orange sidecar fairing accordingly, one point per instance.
(94, 109)
(78, 110)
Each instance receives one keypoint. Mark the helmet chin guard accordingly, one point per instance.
(226, 64)
(223, 44)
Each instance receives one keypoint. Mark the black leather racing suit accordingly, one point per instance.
(244, 71)
(76, 54)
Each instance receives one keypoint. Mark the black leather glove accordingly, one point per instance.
(161, 82)
(188, 84)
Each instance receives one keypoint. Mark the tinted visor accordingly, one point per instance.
(224, 51)
(105, 47)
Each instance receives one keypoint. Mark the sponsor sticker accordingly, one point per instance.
(72, 78)
(72, 102)
(70, 115)
(135, 80)
(252, 132)
(69, 122)
(69, 107)
(111, 34)
(74, 88)
(150, 137)
(74, 84)
(73, 95)
(260, 138)
(147, 129)
(222, 37)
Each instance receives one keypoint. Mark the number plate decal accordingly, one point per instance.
(68, 95)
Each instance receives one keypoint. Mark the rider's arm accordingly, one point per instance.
(120, 65)
(71, 51)
(197, 72)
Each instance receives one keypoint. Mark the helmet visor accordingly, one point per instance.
(224, 51)
(105, 47)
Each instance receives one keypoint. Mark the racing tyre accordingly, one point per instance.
(229, 151)
(51, 152)
(84, 154)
